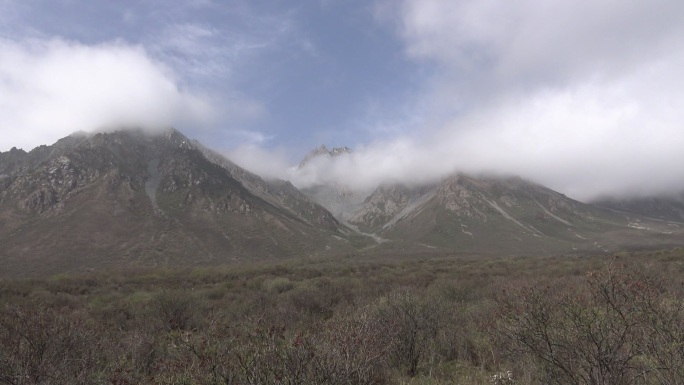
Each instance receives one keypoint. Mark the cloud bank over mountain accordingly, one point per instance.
(584, 97)
(52, 88)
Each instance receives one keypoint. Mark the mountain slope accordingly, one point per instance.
(276, 192)
(660, 207)
(131, 198)
(498, 215)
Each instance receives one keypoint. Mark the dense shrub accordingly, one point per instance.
(617, 329)
(44, 346)
(413, 321)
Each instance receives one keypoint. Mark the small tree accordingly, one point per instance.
(355, 349)
(415, 321)
(591, 334)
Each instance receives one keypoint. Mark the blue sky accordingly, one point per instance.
(584, 96)
(292, 74)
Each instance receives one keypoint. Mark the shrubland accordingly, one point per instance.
(434, 319)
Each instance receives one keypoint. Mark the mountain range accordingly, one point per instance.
(130, 198)
(494, 214)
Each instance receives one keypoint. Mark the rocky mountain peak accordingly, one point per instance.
(340, 151)
(15, 151)
(322, 150)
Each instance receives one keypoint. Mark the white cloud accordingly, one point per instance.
(542, 41)
(582, 96)
(623, 137)
(50, 89)
(193, 48)
(620, 137)
(269, 164)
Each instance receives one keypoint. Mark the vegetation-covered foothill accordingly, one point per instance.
(433, 320)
